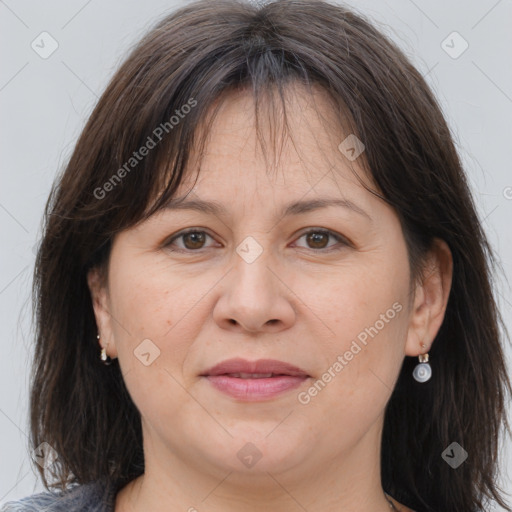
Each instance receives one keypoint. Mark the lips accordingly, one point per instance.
(254, 381)
(263, 368)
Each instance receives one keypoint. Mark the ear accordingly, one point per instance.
(430, 299)
(100, 301)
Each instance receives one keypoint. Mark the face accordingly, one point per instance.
(323, 288)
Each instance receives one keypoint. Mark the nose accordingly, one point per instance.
(254, 298)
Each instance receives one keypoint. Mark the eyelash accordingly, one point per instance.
(342, 240)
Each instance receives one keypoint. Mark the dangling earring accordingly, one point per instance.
(104, 357)
(423, 371)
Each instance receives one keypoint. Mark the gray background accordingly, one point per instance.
(45, 102)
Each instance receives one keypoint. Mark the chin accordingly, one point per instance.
(250, 454)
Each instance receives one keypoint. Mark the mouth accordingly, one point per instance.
(254, 380)
(255, 375)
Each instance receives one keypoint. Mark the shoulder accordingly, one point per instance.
(97, 496)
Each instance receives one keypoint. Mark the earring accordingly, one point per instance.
(423, 370)
(107, 361)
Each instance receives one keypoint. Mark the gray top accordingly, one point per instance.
(93, 497)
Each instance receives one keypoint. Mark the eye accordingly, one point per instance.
(318, 239)
(192, 239)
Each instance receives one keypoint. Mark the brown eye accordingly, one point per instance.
(193, 240)
(190, 240)
(317, 240)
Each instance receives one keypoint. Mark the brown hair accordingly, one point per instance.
(192, 57)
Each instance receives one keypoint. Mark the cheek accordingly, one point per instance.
(153, 300)
(366, 312)
(153, 334)
(359, 364)
(361, 302)
(147, 303)
(148, 296)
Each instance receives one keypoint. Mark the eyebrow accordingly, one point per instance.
(294, 208)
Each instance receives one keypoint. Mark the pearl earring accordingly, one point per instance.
(423, 370)
(103, 356)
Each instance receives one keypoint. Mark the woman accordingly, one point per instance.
(263, 284)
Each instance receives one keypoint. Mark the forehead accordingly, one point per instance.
(290, 144)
